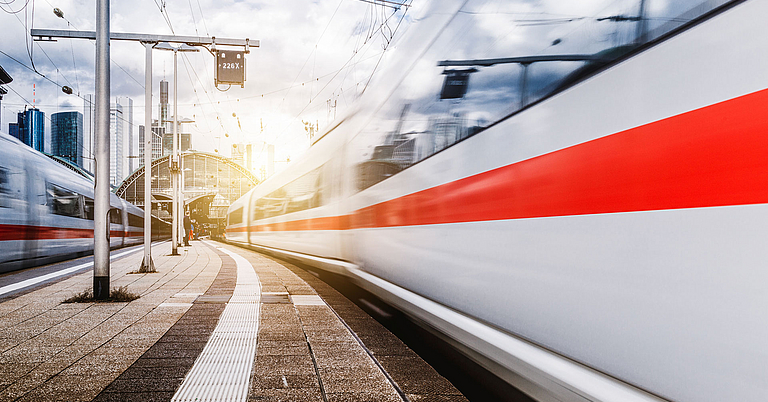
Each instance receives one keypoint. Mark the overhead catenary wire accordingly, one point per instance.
(11, 11)
(199, 102)
(342, 68)
(69, 23)
(385, 3)
(202, 17)
(47, 79)
(314, 49)
(385, 49)
(188, 65)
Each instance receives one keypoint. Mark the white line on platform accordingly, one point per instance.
(171, 304)
(42, 278)
(223, 369)
(307, 300)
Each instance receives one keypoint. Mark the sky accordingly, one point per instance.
(290, 78)
(315, 58)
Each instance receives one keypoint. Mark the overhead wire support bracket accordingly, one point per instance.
(39, 34)
(230, 71)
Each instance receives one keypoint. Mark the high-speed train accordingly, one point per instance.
(577, 199)
(46, 210)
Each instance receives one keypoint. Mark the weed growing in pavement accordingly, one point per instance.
(145, 270)
(120, 294)
(86, 296)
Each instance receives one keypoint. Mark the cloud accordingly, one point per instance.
(304, 43)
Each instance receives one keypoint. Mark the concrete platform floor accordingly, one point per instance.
(312, 345)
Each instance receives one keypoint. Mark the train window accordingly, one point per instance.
(89, 208)
(64, 202)
(115, 216)
(135, 220)
(494, 59)
(306, 192)
(236, 216)
(5, 188)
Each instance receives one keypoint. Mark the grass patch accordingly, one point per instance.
(120, 294)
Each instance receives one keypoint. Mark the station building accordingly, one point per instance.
(211, 184)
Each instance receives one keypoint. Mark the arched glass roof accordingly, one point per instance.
(202, 173)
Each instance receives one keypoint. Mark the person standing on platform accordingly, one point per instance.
(187, 228)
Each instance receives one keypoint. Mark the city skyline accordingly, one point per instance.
(330, 58)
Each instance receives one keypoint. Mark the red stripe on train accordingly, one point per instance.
(24, 232)
(713, 156)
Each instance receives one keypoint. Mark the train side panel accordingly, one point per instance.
(618, 223)
(46, 211)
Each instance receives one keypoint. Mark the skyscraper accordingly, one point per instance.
(157, 143)
(30, 128)
(89, 113)
(164, 106)
(122, 137)
(130, 141)
(67, 136)
(116, 133)
(185, 142)
(13, 128)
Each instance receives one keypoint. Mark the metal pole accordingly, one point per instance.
(174, 168)
(177, 149)
(147, 264)
(101, 192)
(181, 191)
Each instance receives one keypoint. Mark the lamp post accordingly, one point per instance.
(181, 230)
(183, 180)
(176, 217)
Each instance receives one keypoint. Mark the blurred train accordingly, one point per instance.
(590, 222)
(46, 211)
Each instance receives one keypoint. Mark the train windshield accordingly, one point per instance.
(495, 58)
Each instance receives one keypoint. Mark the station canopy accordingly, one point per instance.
(211, 184)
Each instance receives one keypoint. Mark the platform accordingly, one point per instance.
(216, 323)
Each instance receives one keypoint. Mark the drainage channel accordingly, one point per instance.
(222, 371)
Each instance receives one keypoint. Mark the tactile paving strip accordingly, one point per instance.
(222, 370)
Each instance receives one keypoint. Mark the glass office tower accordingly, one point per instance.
(67, 136)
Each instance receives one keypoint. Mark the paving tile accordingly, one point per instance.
(364, 396)
(144, 385)
(29, 354)
(177, 372)
(98, 365)
(286, 395)
(134, 397)
(67, 388)
(10, 372)
(284, 365)
(23, 385)
(282, 350)
(285, 381)
(414, 375)
(164, 362)
(436, 398)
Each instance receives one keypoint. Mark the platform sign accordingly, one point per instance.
(230, 67)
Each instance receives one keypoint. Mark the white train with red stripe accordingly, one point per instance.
(601, 237)
(46, 210)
